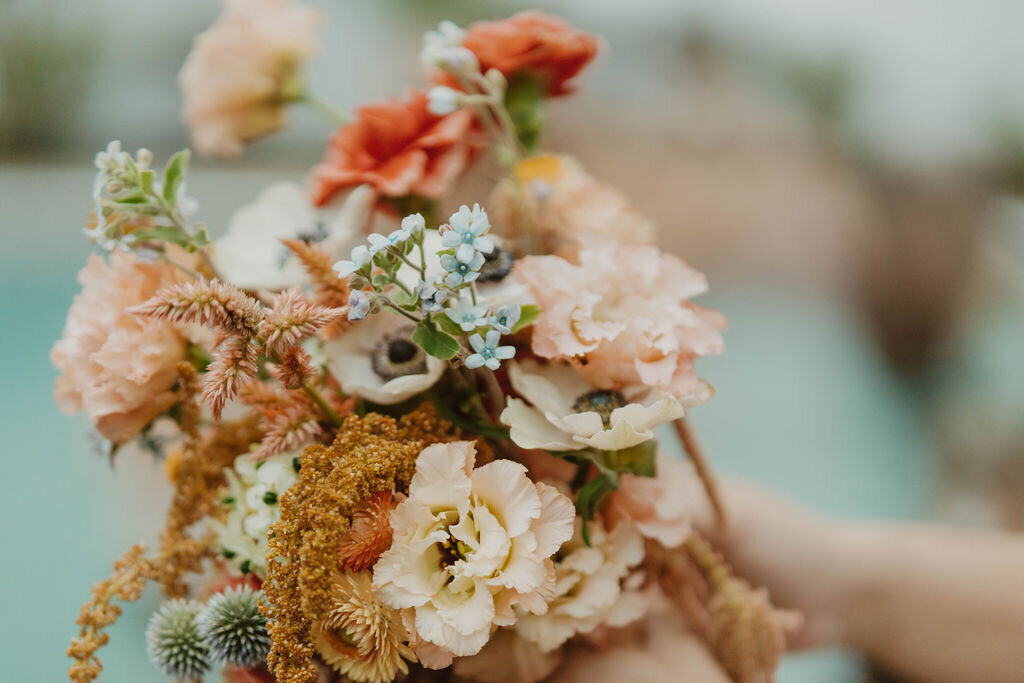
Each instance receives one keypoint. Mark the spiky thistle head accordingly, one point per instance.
(174, 643)
(233, 627)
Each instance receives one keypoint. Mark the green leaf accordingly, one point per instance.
(174, 174)
(528, 315)
(589, 499)
(448, 325)
(146, 181)
(163, 233)
(405, 299)
(638, 459)
(435, 342)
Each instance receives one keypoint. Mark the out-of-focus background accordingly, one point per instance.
(848, 175)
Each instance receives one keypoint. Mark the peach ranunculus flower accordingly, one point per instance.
(243, 70)
(399, 148)
(558, 199)
(469, 545)
(622, 314)
(118, 367)
(535, 44)
(657, 506)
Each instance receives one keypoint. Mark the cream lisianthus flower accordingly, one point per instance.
(377, 360)
(251, 255)
(567, 413)
(590, 587)
(470, 545)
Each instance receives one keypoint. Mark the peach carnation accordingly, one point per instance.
(657, 506)
(556, 197)
(243, 70)
(532, 43)
(469, 545)
(399, 148)
(117, 367)
(622, 314)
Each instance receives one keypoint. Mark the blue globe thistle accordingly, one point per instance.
(233, 627)
(174, 643)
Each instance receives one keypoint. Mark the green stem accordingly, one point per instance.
(331, 414)
(397, 309)
(333, 115)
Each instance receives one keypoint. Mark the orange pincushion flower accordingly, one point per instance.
(399, 148)
(533, 42)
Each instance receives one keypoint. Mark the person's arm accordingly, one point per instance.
(928, 602)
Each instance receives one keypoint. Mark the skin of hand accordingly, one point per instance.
(931, 603)
(668, 652)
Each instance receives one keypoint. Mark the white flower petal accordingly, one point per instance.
(529, 429)
(622, 435)
(442, 474)
(503, 486)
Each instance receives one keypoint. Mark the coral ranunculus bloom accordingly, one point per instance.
(399, 148)
(533, 42)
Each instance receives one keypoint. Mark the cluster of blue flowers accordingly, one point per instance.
(465, 243)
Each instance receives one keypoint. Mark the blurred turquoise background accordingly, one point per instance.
(844, 176)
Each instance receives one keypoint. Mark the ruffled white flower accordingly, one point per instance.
(471, 547)
(252, 497)
(378, 361)
(563, 412)
(593, 586)
(251, 255)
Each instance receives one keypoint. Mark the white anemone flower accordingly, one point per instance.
(564, 412)
(377, 360)
(251, 255)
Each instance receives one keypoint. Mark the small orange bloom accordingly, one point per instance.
(399, 148)
(533, 42)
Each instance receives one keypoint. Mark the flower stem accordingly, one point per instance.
(334, 116)
(331, 414)
(398, 309)
(693, 449)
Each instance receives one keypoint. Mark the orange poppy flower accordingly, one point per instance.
(533, 42)
(399, 148)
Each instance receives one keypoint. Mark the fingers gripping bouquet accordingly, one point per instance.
(400, 444)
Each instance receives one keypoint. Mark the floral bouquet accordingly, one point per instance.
(403, 444)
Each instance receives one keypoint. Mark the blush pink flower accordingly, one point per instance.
(115, 366)
(621, 313)
(242, 71)
(469, 546)
(656, 506)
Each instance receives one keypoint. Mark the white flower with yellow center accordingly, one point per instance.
(469, 545)
(564, 412)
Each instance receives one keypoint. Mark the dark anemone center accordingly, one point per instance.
(496, 266)
(396, 355)
(401, 351)
(601, 402)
